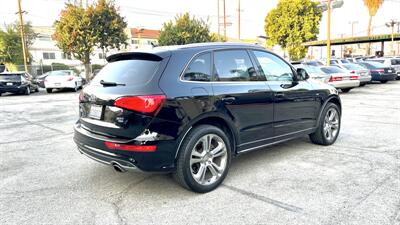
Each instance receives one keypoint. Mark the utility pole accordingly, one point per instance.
(391, 24)
(224, 21)
(239, 20)
(218, 21)
(352, 27)
(328, 39)
(21, 24)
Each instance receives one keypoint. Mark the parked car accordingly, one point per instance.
(363, 73)
(62, 79)
(355, 59)
(314, 72)
(379, 72)
(39, 80)
(3, 68)
(341, 79)
(393, 63)
(17, 82)
(339, 61)
(170, 110)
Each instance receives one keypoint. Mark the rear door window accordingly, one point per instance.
(199, 69)
(234, 65)
(395, 61)
(129, 72)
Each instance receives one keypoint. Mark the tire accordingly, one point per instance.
(27, 91)
(190, 160)
(346, 90)
(319, 136)
(384, 81)
(362, 85)
(75, 89)
(49, 90)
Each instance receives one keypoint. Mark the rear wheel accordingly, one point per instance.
(328, 127)
(363, 84)
(204, 159)
(49, 90)
(346, 90)
(76, 87)
(384, 81)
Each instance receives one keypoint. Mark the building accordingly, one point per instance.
(44, 50)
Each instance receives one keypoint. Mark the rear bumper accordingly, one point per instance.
(345, 84)
(384, 77)
(92, 145)
(13, 89)
(365, 79)
(69, 84)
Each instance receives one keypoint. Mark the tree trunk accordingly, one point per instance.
(88, 70)
(369, 34)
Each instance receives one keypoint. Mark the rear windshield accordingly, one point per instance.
(395, 61)
(374, 65)
(15, 76)
(60, 73)
(353, 67)
(345, 61)
(374, 60)
(314, 63)
(331, 69)
(128, 72)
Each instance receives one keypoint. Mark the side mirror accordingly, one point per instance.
(302, 74)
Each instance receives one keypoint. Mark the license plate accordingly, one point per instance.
(95, 111)
(57, 84)
(9, 84)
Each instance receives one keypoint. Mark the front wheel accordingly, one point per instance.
(204, 159)
(328, 127)
(27, 90)
(49, 90)
(384, 81)
(346, 90)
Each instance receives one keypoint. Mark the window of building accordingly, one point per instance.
(49, 55)
(199, 69)
(234, 65)
(102, 56)
(66, 56)
(135, 41)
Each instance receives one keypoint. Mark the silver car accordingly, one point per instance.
(340, 78)
(364, 74)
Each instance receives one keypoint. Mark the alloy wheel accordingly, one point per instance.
(331, 124)
(208, 159)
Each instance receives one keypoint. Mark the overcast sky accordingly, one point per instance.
(152, 13)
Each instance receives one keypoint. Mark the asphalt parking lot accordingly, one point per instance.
(45, 180)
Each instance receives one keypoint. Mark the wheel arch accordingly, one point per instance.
(331, 99)
(215, 119)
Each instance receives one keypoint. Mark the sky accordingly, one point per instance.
(151, 14)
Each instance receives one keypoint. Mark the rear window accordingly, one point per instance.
(395, 61)
(353, 67)
(331, 69)
(14, 76)
(314, 63)
(60, 73)
(374, 60)
(128, 72)
(345, 61)
(374, 65)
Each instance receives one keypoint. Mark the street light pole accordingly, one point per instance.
(21, 24)
(239, 20)
(328, 39)
(218, 21)
(224, 21)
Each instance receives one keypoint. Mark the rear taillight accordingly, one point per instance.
(331, 79)
(354, 77)
(143, 104)
(379, 71)
(131, 148)
(70, 78)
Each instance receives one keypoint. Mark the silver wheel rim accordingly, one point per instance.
(331, 124)
(208, 159)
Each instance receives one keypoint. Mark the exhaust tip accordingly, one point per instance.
(118, 168)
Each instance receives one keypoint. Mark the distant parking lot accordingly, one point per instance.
(45, 180)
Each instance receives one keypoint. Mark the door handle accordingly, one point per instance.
(228, 100)
(279, 94)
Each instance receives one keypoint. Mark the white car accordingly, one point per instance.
(365, 75)
(62, 79)
(341, 79)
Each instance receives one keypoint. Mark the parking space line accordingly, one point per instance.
(276, 203)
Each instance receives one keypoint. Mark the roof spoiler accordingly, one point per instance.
(133, 55)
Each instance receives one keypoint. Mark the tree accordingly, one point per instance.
(10, 43)
(110, 26)
(80, 30)
(373, 6)
(185, 30)
(292, 23)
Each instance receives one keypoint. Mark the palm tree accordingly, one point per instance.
(373, 6)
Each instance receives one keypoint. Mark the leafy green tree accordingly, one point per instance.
(10, 43)
(79, 30)
(110, 26)
(291, 23)
(185, 30)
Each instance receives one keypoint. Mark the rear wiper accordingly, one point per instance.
(109, 84)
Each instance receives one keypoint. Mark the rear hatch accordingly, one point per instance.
(124, 97)
(10, 79)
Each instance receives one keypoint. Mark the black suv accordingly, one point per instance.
(17, 82)
(189, 109)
